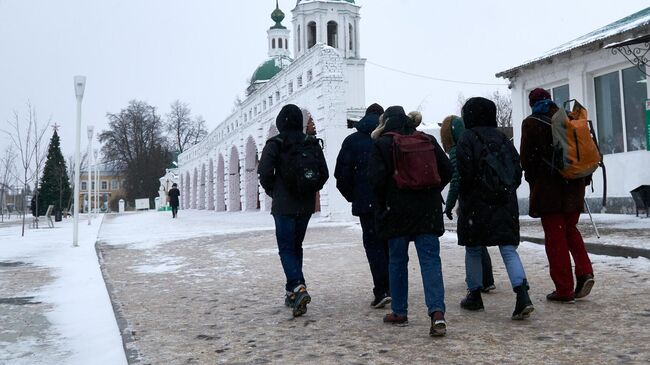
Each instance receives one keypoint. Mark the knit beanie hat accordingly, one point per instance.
(375, 109)
(537, 95)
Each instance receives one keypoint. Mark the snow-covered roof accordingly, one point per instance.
(631, 22)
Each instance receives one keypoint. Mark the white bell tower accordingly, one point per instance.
(331, 22)
(278, 35)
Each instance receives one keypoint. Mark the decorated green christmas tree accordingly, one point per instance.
(55, 185)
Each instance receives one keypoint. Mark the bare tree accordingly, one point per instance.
(8, 171)
(184, 131)
(27, 136)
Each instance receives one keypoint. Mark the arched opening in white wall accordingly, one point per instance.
(186, 191)
(267, 200)
(311, 34)
(298, 38)
(234, 195)
(273, 43)
(201, 203)
(332, 34)
(195, 189)
(210, 185)
(220, 200)
(182, 189)
(350, 37)
(252, 190)
(280, 43)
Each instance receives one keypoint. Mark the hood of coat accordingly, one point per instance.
(395, 119)
(368, 123)
(289, 119)
(479, 112)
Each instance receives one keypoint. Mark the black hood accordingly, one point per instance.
(479, 112)
(396, 120)
(289, 119)
(368, 123)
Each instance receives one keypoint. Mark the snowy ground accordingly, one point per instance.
(54, 307)
(207, 288)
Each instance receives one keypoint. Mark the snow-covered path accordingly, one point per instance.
(208, 288)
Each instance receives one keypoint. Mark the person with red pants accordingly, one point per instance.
(557, 201)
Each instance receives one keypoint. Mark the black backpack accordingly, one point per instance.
(497, 176)
(300, 165)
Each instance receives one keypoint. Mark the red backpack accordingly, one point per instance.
(414, 158)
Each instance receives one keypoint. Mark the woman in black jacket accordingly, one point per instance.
(489, 212)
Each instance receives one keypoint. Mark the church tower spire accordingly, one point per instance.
(278, 35)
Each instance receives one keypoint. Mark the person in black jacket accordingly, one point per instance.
(487, 219)
(405, 215)
(351, 175)
(291, 211)
(173, 195)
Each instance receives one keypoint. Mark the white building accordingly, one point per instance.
(327, 78)
(594, 69)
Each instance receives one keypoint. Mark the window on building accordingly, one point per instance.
(280, 43)
(273, 43)
(350, 36)
(311, 34)
(290, 86)
(92, 185)
(310, 75)
(264, 105)
(104, 185)
(560, 94)
(114, 185)
(332, 34)
(299, 81)
(84, 185)
(620, 97)
(277, 96)
(286, 43)
(298, 38)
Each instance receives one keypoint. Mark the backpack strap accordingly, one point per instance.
(541, 118)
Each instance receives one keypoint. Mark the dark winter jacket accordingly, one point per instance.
(403, 212)
(173, 194)
(289, 124)
(452, 131)
(351, 171)
(549, 191)
(482, 222)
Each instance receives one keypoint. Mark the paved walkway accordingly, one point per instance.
(219, 299)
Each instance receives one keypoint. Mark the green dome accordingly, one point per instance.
(277, 16)
(270, 68)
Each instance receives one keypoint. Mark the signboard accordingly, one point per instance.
(141, 204)
(647, 124)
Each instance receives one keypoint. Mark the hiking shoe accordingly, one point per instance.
(584, 285)
(473, 301)
(381, 301)
(300, 301)
(524, 306)
(396, 319)
(289, 298)
(438, 324)
(555, 297)
(488, 288)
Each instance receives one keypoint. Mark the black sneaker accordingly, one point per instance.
(488, 288)
(396, 319)
(555, 297)
(300, 301)
(438, 325)
(473, 301)
(381, 301)
(584, 285)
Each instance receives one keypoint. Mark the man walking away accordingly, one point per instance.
(291, 170)
(488, 166)
(450, 131)
(351, 175)
(173, 195)
(558, 201)
(409, 208)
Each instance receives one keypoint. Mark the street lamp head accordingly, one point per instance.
(91, 129)
(79, 86)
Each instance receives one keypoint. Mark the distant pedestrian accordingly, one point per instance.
(558, 201)
(450, 131)
(291, 170)
(173, 195)
(488, 166)
(409, 208)
(352, 181)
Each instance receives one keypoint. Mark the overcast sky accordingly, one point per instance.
(203, 51)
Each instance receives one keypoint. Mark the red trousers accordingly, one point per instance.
(563, 240)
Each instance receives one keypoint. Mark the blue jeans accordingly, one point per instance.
(290, 232)
(474, 270)
(377, 254)
(428, 248)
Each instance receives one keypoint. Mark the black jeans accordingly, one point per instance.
(174, 211)
(486, 263)
(377, 254)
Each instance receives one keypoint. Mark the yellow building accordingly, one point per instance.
(111, 184)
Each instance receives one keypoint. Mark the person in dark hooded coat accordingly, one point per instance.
(484, 220)
(405, 215)
(351, 175)
(291, 211)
